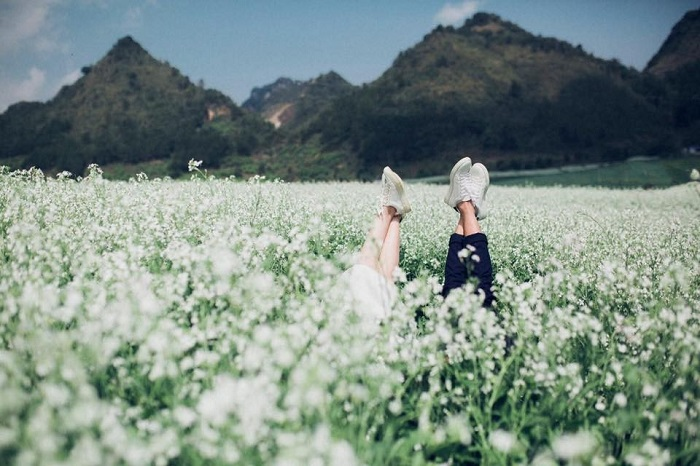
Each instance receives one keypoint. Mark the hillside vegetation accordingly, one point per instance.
(488, 88)
(678, 63)
(291, 103)
(129, 108)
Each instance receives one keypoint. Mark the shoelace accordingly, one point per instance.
(465, 180)
(387, 187)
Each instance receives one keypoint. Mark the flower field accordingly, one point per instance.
(200, 322)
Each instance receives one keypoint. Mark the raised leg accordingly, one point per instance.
(467, 195)
(389, 256)
(459, 267)
(370, 253)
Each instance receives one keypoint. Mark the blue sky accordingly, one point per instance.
(236, 45)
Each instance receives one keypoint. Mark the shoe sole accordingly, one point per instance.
(398, 182)
(461, 163)
(485, 174)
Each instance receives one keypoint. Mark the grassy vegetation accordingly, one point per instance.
(124, 171)
(633, 173)
(291, 162)
(656, 173)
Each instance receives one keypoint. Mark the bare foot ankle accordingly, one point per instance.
(466, 207)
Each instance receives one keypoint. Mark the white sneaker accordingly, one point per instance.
(393, 193)
(477, 186)
(459, 178)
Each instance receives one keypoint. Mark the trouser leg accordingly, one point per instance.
(455, 271)
(458, 271)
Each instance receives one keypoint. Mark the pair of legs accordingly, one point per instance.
(459, 267)
(381, 248)
(467, 196)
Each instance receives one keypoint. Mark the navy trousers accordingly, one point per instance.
(458, 271)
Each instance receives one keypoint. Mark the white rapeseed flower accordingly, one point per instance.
(578, 445)
(502, 440)
(649, 390)
(458, 429)
(193, 164)
(620, 399)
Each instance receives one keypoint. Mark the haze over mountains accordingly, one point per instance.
(488, 88)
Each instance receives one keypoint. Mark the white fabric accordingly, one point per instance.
(373, 294)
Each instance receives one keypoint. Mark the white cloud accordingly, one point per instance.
(133, 18)
(70, 78)
(28, 89)
(21, 21)
(453, 14)
(135, 15)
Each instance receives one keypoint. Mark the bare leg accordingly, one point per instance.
(389, 255)
(468, 224)
(371, 250)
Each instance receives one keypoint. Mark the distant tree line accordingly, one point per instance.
(592, 119)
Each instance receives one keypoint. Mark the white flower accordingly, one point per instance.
(600, 404)
(458, 429)
(649, 390)
(395, 406)
(184, 416)
(342, 453)
(56, 395)
(578, 445)
(544, 459)
(215, 405)
(695, 174)
(620, 399)
(502, 440)
(193, 164)
(7, 437)
(649, 454)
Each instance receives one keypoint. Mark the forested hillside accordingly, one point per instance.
(292, 103)
(128, 108)
(488, 88)
(678, 63)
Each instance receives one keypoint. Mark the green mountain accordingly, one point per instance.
(128, 108)
(291, 103)
(681, 47)
(493, 89)
(488, 88)
(678, 63)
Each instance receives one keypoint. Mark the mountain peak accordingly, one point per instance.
(482, 18)
(489, 23)
(127, 49)
(680, 48)
(127, 42)
(330, 78)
